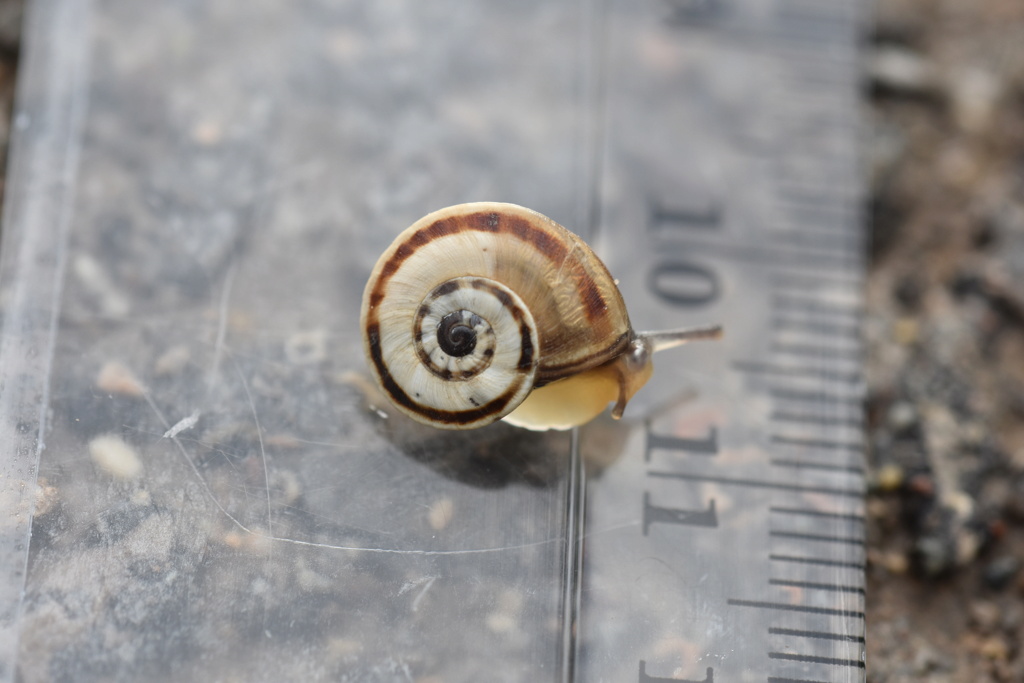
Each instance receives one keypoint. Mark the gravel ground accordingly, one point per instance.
(945, 340)
(944, 100)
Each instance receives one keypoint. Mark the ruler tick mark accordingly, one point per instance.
(810, 659)
(816, 560)
(818, 513)
(823, 374)
(806, 304)
(834, 588)
(785, 256)
(786, 607)
(821, 635)
(807, 418)
(816, 351)
(816, 443)
(757, 483)
(786, 394)
(817, 537)
(827, 467)
(828, 241)
(825, 329)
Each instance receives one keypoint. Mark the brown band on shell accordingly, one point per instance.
(485, 221)
(544, 241)
(549, 373)
(594, 304)
(398, 395)
(446, 288)
(526, 355)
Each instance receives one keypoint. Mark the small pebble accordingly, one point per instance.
(927, 659)
(1000, 572)
(973, 433)
(906, 331)
(908, 293)
(976, 93)
(172, 361)
(141, 497)
(960, 166)
(994, 648)
(343, 648)
(935, 556)
(440, 514)
(892, 561)
(967, 545)
(960, 502)
(287, 486)
(1013, 616)
(116, 378)
(97, 282)
(115, 457)
(304, 348)
(878, 508)
(901, 416)
(896, 562)
(501, 622)
(921, 484)
(309, 580)
(984, 615)
(251, 542)
(207, 133)
(47, 497)
(901, 70)
(283, 441)
(890, 477)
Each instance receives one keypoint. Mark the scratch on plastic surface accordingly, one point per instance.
(409, 585)
(222, 324)
(259, 436)
(327, 546)
(416, 601)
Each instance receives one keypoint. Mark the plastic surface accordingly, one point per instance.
(198, 483)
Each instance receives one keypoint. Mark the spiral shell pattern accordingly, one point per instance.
(474, 306)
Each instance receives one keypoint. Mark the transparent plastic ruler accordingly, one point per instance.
(726, 542)
(197, 481)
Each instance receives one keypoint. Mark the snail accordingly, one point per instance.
(484, 311)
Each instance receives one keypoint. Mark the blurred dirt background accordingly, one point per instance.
(945, 340)
(944, 331)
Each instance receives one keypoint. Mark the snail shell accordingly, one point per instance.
(475, 306)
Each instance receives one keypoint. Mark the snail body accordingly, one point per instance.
(487, 310)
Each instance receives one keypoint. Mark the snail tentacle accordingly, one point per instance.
(668, 339)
